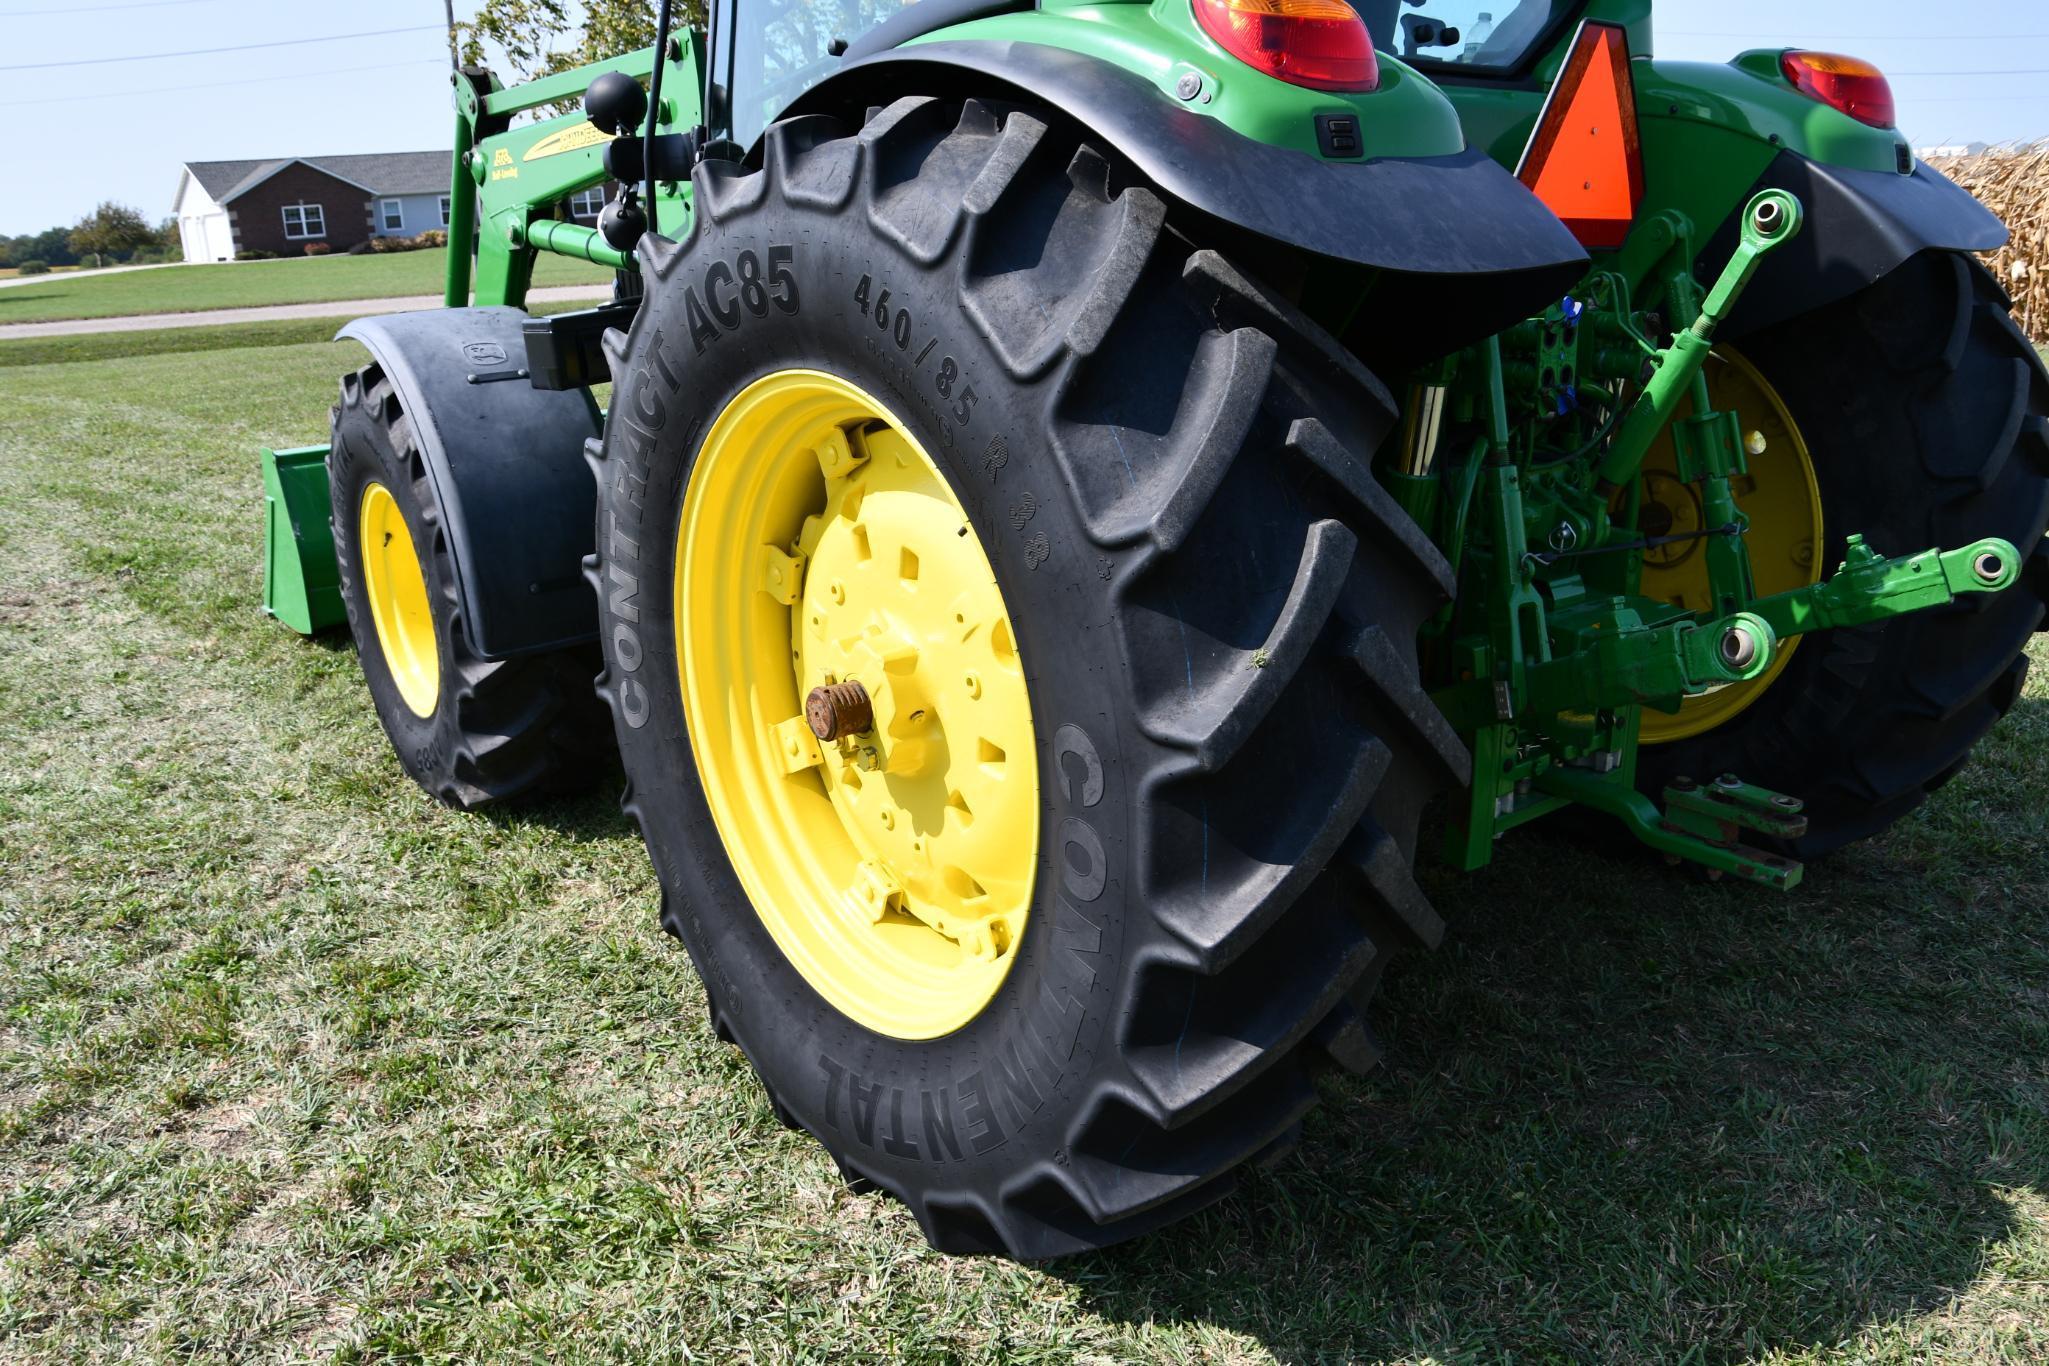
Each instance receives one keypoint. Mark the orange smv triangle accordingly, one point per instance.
(1585, 161)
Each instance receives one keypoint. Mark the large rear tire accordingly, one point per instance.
(1926, 413)
(472, 732)
(1214, 607)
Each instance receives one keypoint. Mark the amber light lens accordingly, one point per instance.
(1322, 44)
(1850, 84)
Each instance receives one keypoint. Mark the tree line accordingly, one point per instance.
(112, 233)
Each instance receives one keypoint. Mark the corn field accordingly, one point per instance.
(2014, 183)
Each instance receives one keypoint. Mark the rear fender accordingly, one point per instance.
(506, 463)
(1861, 226)
(1716, 136)
(1455, 239)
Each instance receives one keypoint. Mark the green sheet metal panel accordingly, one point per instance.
(301, 582)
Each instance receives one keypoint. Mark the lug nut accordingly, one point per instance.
(834, 710)
(1989, 567)
(1739, 648)
(1729, 782)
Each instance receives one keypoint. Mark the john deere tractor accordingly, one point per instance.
(1086, 488)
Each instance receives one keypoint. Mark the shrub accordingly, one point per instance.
(256, 254)
(433, 237)
(364, 248)
(318, 249)
(385, 245)
(33, 268)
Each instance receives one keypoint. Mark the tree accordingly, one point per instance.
(527, 31)
(111, 230)
(52, 245)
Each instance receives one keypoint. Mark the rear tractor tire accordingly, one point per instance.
(1099, 824)
(472, 732)
(1921, 417)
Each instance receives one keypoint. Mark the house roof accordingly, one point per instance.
(381, 173)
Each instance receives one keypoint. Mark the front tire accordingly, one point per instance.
(472, 732)
(1214, 607)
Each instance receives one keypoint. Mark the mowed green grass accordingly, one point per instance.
(294, 1062)
(253, 284)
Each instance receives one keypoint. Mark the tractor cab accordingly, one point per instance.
(1469, 39)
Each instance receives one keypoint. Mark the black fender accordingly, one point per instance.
(506, 463)
(1477, 249)
(1861, 227)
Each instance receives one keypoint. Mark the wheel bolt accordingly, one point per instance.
(1989, 567)
(837, 709)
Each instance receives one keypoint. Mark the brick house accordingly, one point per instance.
(282, 204)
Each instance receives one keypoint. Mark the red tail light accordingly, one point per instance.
(1321, 44)
(1850, 84)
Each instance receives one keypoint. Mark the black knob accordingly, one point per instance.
(622, 223)
(615, 103)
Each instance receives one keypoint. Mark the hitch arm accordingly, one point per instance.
(1871, 588)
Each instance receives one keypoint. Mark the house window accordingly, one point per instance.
(392, 213)
(303, 221)
(586, 203)
(444, 210)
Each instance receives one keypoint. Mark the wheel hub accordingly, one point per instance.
(1782, 499)
(859, 712)
(396, 590)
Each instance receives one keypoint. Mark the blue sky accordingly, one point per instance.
(78, 134)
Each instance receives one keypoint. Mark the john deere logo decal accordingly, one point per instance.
(568, 140)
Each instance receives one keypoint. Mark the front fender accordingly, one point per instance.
(518, 502)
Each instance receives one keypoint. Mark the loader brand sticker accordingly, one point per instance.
(502, 167)
(979, 1112)
(569, 140)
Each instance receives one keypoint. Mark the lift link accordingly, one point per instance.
(1769, 222)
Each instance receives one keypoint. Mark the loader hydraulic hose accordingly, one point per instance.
(654, 114)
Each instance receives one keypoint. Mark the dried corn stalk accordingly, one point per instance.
(2014, 183)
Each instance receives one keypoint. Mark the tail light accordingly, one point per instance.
(1854, 86)
(1321, 44)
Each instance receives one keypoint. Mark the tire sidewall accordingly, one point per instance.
(362, 453)
(885, 1106)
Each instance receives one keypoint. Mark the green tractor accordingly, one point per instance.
(1083, 482)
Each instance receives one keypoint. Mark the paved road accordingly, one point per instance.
(341, 308)
(55, 276)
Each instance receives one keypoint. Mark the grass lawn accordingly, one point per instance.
(252, 284)
(295, 1062)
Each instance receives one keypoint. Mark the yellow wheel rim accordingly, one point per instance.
(1782, 499)
(820, 545)
(397, 589)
